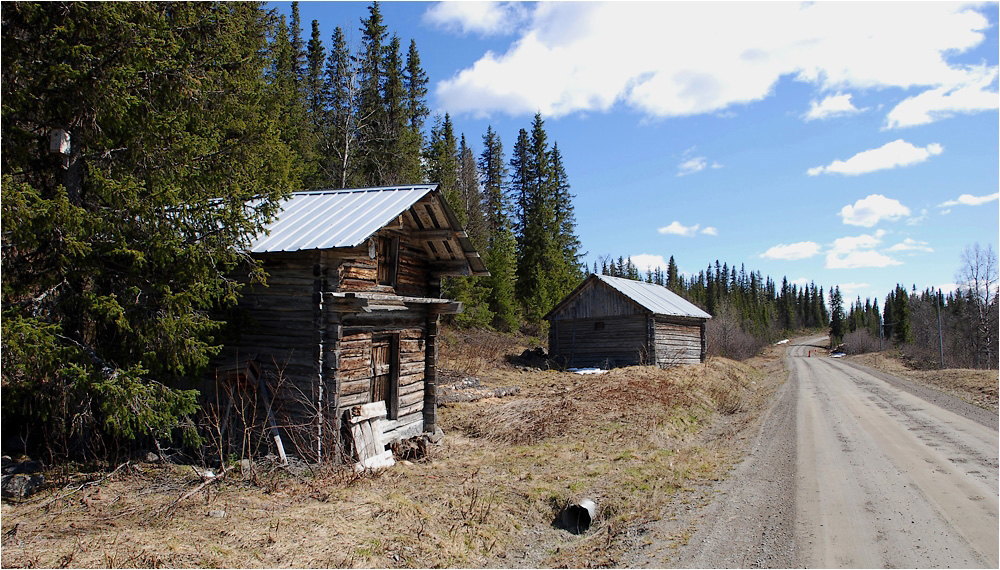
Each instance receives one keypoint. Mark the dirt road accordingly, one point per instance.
(853, 468)
(885, 478)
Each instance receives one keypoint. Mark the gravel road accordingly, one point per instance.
(850, 468)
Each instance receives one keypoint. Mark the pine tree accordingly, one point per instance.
(114, 266)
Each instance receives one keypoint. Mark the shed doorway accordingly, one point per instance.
(385, 373)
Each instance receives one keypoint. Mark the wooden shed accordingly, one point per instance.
(610, 321)
(350, 313)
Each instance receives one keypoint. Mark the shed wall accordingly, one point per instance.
(677, 342)
(605, 342)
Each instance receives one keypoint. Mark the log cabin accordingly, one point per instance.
(609, 321)
(349, 315)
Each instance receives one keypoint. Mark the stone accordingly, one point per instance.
(21, 486)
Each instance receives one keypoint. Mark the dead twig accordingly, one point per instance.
(206, 481)
(78, 488)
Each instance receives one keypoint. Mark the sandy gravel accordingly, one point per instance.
(850, 468)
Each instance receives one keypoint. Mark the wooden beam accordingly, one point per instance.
(439, 234)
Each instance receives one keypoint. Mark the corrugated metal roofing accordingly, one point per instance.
(657, 299)
(336, 218)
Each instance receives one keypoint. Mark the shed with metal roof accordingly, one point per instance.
(349, 315)
(609, 321)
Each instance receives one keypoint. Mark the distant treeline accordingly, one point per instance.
(932, 328)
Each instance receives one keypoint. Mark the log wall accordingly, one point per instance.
(604, 342)
(677, 342)
(354, 373)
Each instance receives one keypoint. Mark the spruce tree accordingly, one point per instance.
(500, 249)
(672, 282)
(371, 112)
(568, 271)
(838, 324)
(415, 89)
(393, 131)
(115, 266)
(415, 82)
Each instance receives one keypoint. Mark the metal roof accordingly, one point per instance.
(336, 218)
(657, 299)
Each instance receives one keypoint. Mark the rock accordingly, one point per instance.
(152, 457)
(436, 437)
(218, 514)
(21, 486)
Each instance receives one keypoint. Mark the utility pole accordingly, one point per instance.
(940, 334)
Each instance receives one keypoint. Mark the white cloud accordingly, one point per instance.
(482, 18)
(677, 229)
(919, 219)
(948, 288)
(800, 282)
(870, 210)
(837, 105)
(589, 56)
(970, 95)
(857, 252)
(889, 155)
(848, 289)
(969, 200)
(645, 261)
(710, 231)
(692, 165)
(792, 251)
(909, 244)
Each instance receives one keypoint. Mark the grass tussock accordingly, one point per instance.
(489, 496)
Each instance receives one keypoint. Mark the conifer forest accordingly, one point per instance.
(142, 143)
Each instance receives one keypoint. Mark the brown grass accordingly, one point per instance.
(977, 387)
(487, 496)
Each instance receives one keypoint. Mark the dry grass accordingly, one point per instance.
(977, 387)
(488, 496)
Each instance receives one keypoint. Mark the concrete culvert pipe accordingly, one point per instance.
(579, 515)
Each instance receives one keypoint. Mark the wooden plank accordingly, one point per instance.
(368, 439)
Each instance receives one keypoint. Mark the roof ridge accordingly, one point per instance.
(322, 191)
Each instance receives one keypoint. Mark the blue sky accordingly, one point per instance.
(846, 143)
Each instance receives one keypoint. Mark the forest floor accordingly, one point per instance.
(640, 442)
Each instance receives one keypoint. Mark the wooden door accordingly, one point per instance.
(384, 366)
